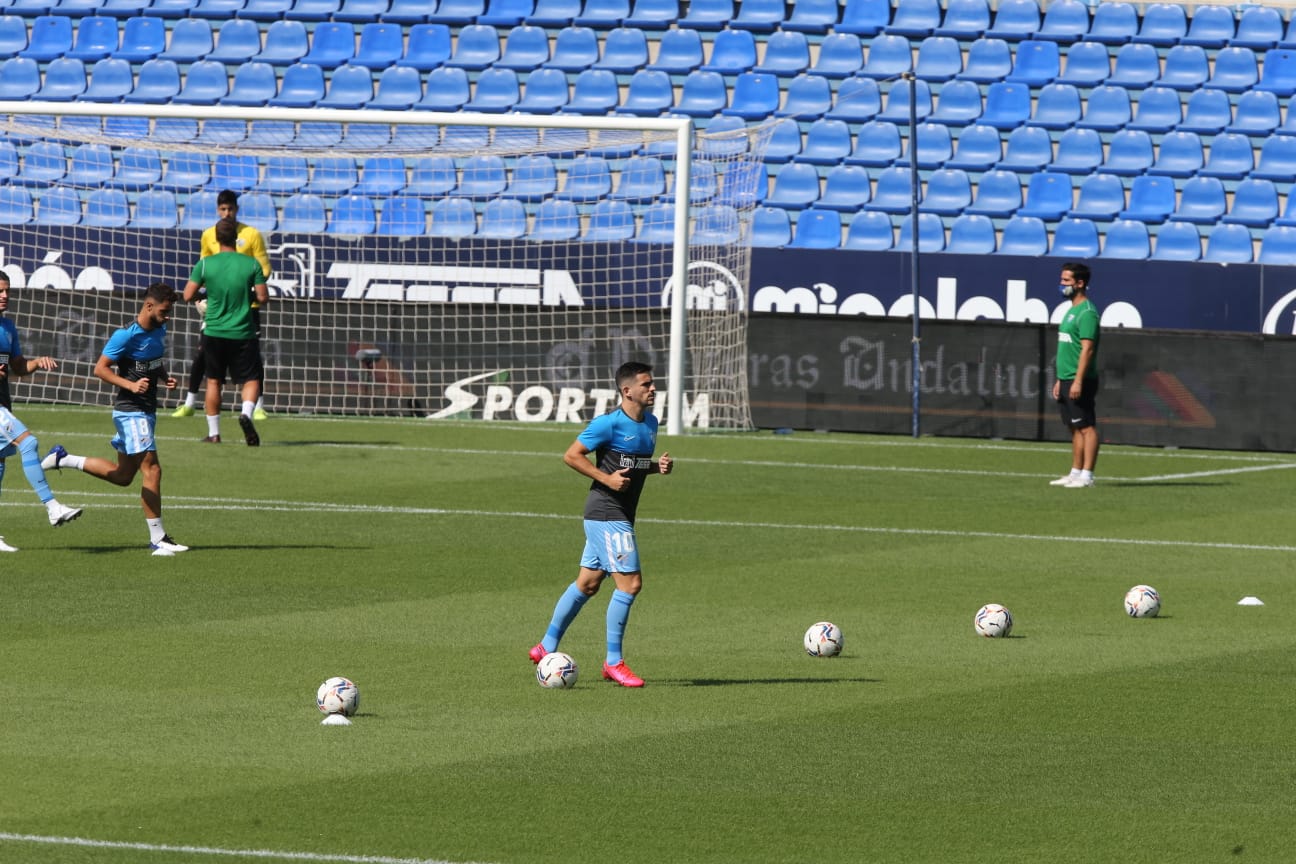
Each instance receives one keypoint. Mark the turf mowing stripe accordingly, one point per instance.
(6, 837)
(1196, 474)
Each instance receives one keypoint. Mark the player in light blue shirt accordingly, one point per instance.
(622, 443)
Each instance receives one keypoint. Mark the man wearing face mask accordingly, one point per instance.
(1077, 376)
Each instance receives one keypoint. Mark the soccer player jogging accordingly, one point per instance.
(14, 436)
(623, 443)
(1076, 386)
(233, 281)
(249, 242)
(139, 354)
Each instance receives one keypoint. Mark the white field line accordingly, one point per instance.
(1216, 473)
(265, 854)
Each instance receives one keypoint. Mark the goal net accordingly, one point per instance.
(447, 266)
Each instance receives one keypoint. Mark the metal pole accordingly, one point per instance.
(913, 255)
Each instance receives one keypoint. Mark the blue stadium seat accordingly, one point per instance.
(896, 109)
(286, 42)
(783, 143)
(265, 10)
(1088, 64)
(333, 43)
(1048, 196)
(1229, 244)
(1256, 113)
(744, 184)
(934, 147)
(948, 193)
(496, 92)
(589, 178)
(1202, 201)
(625, 50)
(931, 233)
(157, 82)
(889, 55)
(708, 14)
(657, 14)
(65, 80)
(877, 145)
(466, 138)
(641, 180)
(381, 45)
(594, 92)
(445, 89)
(893, 192)
(732, 52)
(123, 8)
(1075, 238)
(222, 133)
(870, 231)
(1234, 70)
(284, 175)
(404, 216)
(91, 166)
(858, 100)
(237, 41)
(796, 186)
(200, 211)
(1129, 154)
(1288, 216)
(353, 214)
(1065, 21)
(1057, 106)
(76, 8)
(1278, 246)
(137, 169)
(1024, 236)
(1210, 27)
(110, 81)
(506, 13)
(315, 10)
(998, 195)
(1107, 109)
(427, 47)
(1007, 105)
(451, 217)
(827, 142)
(553, 13)
(361, 11)
(1255, 203)
(1079, 151)
(13, 34)
(988, 61)
(1137, 66)
(186, 172)
(678, 52)
(271, 133)
(915, 19)
(1277, 160)
(1015, 20)
(1180, 154)
(525, 48)
(477, 47)
(546, 92)
(817, 229)
(15, 205)
(381, 176)
(1036, 63)
(761, 16)
(254, 84)
(787, 53)
(49, 39)
(142, 39)
(255, 208)
(964, 20)
(1101, 197)
(235, 171)
(216, 9)
(1177, 241)
(575, 49)
(1127, 238)
(846, 188)
(806, 97)
(755, 96)
(817, 17)
(1186, 67)
(977, 148)
(399, 87)
(610, 221)
(58, 206)
(657, 225)
(840, 56)
(650, 94)
(432, 177)
(716, 225)
(555, 220)
(333, 176)
(96, 38)
(1278, 75)
(939, 59)
(503, 219)
(107, 208)
(481, 177)
(1230, 157)
(971, 234)
(958, 105)
(704, 184)
(864, 17)
(206, 83)
(1113, 23)
(1159, 110)
(457, 13)
(156, 209)
(771, 228)
(1163, 24)
(302, 86)
(1259, 28)
(602, 15)
(191, 40)
(1151, 199)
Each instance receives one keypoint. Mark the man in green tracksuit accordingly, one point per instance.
(1077, 376)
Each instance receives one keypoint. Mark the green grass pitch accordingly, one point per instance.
(161, 709)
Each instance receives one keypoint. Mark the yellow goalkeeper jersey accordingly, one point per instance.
(250, 242)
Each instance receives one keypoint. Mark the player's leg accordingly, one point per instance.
(6, 452)
(569, 605)
(197, 372)
(621, 550)
(216, 360)
(248, 369)
(151, 500)
(1066, 413)
(17, 439)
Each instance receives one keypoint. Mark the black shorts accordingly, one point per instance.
(1078, 413)
(232, 359)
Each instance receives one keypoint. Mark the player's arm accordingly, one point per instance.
(21, 367)
(665, 463)
(195, 281)
(261, 292)
(257, 249)
(104, 371)
(577, 458)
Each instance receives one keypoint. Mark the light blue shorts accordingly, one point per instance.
(611, 547)
(11, 428)
(134, 432)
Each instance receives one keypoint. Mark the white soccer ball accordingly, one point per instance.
(338, 696)
(993, 620)
(1142, 601)
(823, 639)
(557, 671)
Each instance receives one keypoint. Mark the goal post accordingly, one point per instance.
(492, 266)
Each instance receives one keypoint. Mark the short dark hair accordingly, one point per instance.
(630, 371)
(4, 277)
(227, 196)
(226, 232)
(160, 292)
(1079, 272)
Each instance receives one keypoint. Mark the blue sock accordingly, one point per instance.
(565, 612)
(617, 614)
(32, 468)
(2, 466)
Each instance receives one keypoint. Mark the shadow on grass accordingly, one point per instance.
(724, 682)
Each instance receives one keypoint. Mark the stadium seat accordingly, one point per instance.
(1101, 197)
(914, 19)
(796, 186)
(216, 9)
(1127, 238)
(1075, 238)
(806, 97)
(1137, 66)
(864, 17)
(237, 41)
(286, 42)
(381, 176)
(110, 81)
(896, 108)
(1113, 23)
(1288, 216)
(827, 142)
(1024, 236)
(998, 195)
(595, 92)
(1257, 114)
(450, 217)
(934, 147)
(91, 166)
(122, 8)
(858, 100)
(1210, 27)
(235, 171)
(657, 225)
(641, 180)
(869, 231)
(1159, 110)
(137, 169)
(333, 43)
(1278, 75)
(1234, 70)
(65, 80)
(302, 214)
(588, 179)
(1048, 196)
(333, 176)
(602, 15)
(931, 233)
(185, 172)
(206, 83)
(525, 48)
(649, 94)
(218, 133)
(971, 234)
(457, 13)
(977, 148)
(96, 38)
(1202, 201)
(840, 56)
(755, 96)
(1186, 68)
(399, 87)
(704, 184)
(1278, 246)
(771, 228)
(265, 10)
(1229, 244)
(199, 211)
(546, 92)
(658, 14)
(816, 17)
(1065, 21)
(1163, 24)
(15, 205)
(708, 15)
(445, 89)
(477, 47)
(156, 209)
(506, 13)
(503, 219)
(625, 51)
(1230, 157)
(889, 55)
(283, 175)
(315, 10)
(1177, 241)
(1036, 63)
(1129, 154)
(939, 59)
(361, 11)
(107, 208)
(948, 192)
(142, 39)
(679, 52)
(1016, 20)
(432, 177)
(256, 209)
(761, 16)
(987, 61)
(610, 221)
(1151, 200)
(1107, 109)
(254, 84)
(481, 177)
(1255, 204)
(575, 49)
(1057, 106)
(553, 13)
(703, 94)
(1259, 28)
(787, 53)
(1277, 160)
(302, 86)
(1079, 151)
(964, 20)
(43, 164)
(958, 105)
(191, 40)
(716, 225)
(555, 220)
(496, 92)
(732, 53)
(1088, 64)
(877, 145)
(466, 138)
(58, 206)
(1007, 105)
(381, 45)
(744, 184)
(427, 47)
(846, 188)
(353, 214)
(817, 229)
(49, 39)
(783, 143)
(893, 192)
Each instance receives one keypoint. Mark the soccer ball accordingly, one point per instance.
(823, 639)
(993, 620)
(1142, 601)
(557, 671)
(338, 696)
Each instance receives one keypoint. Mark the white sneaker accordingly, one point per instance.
(1078, 483)
(167, 546)
(60, 515)
(5, 547)
(1061, 481)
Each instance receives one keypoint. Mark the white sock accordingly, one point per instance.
(190, 398)
(247, 408)
(1076, 472)
(76, 463)
(213, 424)
(156, 531)
(260, 403)
(1086, 475)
